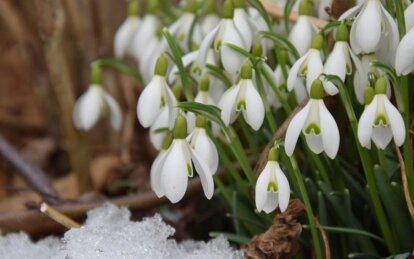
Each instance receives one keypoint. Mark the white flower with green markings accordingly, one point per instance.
(124, 36)
(316, 123)
(169, 176)
(272, 187)
(243, 98)
(380, 121)
(404, 60)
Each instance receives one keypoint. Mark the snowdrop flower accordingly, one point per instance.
(374, 29)
(310, 67)
(156, 47)
(272, 186)
(181, 28)
(155, 96)
(224, 33)
(147, 31)
(211, 19)
(299, 89)
(341, 61)
(244, 23)
(404, 61)
(380, 121)
(125, 34)
(316, 123)
(409, 17)
(94, 103)
(304, 30)
(156, 165)
(245, 98)
(202, 145)
(170, 176)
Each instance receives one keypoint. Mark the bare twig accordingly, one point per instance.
(408, 200)
(277, 11)
(325, 239)
(58, 217)
(32, 174)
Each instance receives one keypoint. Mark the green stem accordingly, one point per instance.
(308, 206)
(279, 95)
(249, 138)
(368, 170)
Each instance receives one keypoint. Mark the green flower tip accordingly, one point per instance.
(201, 122)
(246, 71)
(161, 66)
(273, 155)
(191, 6)
(228, 9)
(317, 42)
(317, 91)
(133, 8)
(180, 127)
(210, 7)
(305, 7)
(257, 49)
(369, 94)
(239, 3)
(342, 34)
(153, 6)
(96, 73)
(166, 143)
(204, 84)
(176, 89)
(381, 85)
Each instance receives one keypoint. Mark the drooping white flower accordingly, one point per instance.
(156, 46)
(409, 17)
(316, 123)
(210, 19)
(125, 34)
(342, 62)
(381, 121)
(202, 145)
(170, 176)
(181, 28)
(272, 186)
(224, 33)
(244, 98)
(299, 88)
(156, 95)
(310, 67)
(404, 60)
(244, 23)
(374, 30)
(94, 103)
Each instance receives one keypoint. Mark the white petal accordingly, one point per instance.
(124, 36)
(315, 143)
(294, 71)
(409, 16)
(208, 23)
(315, 69)
(143, 35)
(157, 138)
(254, 114)
(241, 21)
(366, 122)
(360, 77)
(205, 46)
(89, 107)
(156, 183)
(389, 40)
(404, 61)
(366, 30)
(350, 12)
(329, 131)
(206, 150)
(149, 103)
(283, 188)
(336, 65)
(381, 136)
(205, 173)
(187, 59)
(302, 34)
(294, 129)
(261, 187)
(174, 172)
(396, 122)
(227, 104)
(231, 59)
(115, 111)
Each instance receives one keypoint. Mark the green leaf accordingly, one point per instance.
(286, 13)
(231, 237)
(121, 66)
(241, 51)
(177, 55)
(389, 71)
(280, 40)
(209, 111)
(350, 231)
(260, 8)
(220, 74)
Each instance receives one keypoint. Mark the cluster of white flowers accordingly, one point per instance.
(208, 40)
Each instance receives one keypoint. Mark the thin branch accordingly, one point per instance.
(58, 217)
(325, 239)
(277, 11)
(408, 200)
(32, 174)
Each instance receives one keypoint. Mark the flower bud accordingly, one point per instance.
(204, 84)
(161, 66)
(180, 127)
(317, 91)
(342, 34)
(246, 71)
(317, 42)
(273, 154)
(381, 85)
(201, 122)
